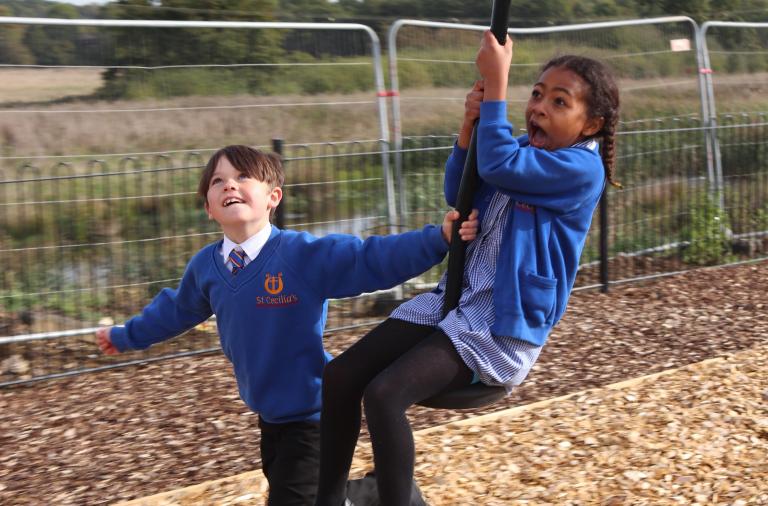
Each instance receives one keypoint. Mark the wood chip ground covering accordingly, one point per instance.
(698, 435)
(695, 435)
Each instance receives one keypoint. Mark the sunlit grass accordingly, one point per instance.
(41, 85)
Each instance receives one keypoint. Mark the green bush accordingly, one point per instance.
(348, 76)
(136, 84)
(760, 219)
(707, 232)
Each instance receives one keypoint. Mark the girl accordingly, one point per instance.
(536, 202)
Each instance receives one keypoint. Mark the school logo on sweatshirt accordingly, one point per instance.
(274, 286)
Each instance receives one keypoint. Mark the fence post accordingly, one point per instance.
(604, 281)
(714, 159)
(277, 147)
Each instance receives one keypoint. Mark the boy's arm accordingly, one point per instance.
(171, 312)
(352, 266)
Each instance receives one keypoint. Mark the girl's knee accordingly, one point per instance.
(379, 393)
(334, 374)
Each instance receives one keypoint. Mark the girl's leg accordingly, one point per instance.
(344, 380)
(428, 368)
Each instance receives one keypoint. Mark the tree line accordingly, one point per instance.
(522, 12)
(52, 45)
(119, 49)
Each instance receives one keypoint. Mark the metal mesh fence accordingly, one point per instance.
(737, 83)
(102, 140)
(103, 242)
(656, 64)
(661, 148)
(98, 209)
(143, 87)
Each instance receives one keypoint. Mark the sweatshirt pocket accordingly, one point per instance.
(538, 294)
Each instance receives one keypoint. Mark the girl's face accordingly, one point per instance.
(557, 115)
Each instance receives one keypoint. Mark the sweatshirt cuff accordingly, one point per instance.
(493, 111)
(459, 151)
(434, 236)
(119, 338)
(457, 157)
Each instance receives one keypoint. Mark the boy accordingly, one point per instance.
(268, 289)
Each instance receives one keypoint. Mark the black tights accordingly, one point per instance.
(391, 368)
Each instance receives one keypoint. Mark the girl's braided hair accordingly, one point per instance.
(602, 101)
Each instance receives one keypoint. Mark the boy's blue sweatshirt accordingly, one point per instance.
(271, 315)
(556, 193)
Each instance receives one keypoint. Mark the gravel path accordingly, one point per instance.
(130, 433)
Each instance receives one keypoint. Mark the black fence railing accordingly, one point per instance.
(85, 242)
(671, 213)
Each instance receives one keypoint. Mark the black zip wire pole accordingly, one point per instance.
(469, 182)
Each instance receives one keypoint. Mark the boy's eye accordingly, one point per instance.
(215, 180)
(243, 176)
(535, 93)
(559, 101)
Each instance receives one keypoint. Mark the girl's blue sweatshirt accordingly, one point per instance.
(271, 315)
(556, 193)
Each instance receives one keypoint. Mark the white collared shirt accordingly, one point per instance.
(252, 246)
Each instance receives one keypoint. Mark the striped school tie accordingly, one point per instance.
(237, 257)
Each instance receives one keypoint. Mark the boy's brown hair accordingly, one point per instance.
(265, 167)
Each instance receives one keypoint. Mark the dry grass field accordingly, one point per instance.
(47, 113)
(42, 85)
(31, 127)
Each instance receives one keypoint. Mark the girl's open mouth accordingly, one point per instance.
(536, 136)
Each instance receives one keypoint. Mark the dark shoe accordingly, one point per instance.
(365, 492)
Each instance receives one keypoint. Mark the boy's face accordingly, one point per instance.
(239, 203)
(557, 115)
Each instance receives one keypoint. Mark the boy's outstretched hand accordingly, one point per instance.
(468, 229)
(104, 342)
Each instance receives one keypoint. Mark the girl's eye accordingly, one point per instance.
(215, 180)
(242, 176)
(535, 93)
(559, 101)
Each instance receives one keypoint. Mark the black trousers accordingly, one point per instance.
(290, 456)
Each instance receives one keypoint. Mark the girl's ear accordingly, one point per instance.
(592, 126)
(208, 211)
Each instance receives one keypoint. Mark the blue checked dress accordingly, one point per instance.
(496, 360)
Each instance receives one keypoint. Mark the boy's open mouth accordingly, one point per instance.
(232, 200)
